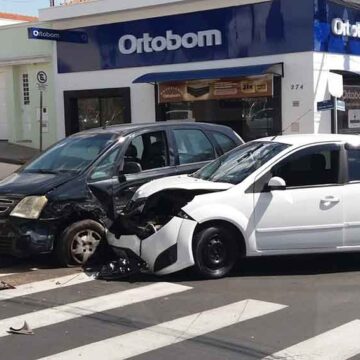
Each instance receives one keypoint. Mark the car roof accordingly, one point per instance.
(124, 129)
(304, 139)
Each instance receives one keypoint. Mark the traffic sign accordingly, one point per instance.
(340, 105)
(42, 77)
(325, 105)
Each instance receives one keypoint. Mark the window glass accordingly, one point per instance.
(148, 150)
(226, 144)
(105, 168)
(354, 165)
(193, 146)
(237, 165)
(315, 166)
(71, 154)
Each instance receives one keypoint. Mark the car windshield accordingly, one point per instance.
(238, 164)
(72, 154)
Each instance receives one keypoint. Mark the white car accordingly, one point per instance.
(274, 196)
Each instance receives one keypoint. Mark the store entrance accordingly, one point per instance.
(252, 107)
(87, 109)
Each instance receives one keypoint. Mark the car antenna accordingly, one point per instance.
(294, 122)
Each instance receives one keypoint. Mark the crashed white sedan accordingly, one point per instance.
(273, 196)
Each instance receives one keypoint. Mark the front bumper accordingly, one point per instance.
(167, 251)
(23, 238)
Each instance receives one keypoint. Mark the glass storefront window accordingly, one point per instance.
(246, 105)
(95, 112)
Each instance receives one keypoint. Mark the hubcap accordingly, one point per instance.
(215, 253)
(84, 245)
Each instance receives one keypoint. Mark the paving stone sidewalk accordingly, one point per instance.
(16, 154)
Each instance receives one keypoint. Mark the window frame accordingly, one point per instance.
(346, 165)
(259, 185)
(134, 135)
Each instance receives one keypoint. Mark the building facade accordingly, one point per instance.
(20, 61)
(260, 67)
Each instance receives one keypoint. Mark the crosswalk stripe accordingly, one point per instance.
(340, 343)
(88, 307)
(171, 332)
(4, 275)
(45, 285)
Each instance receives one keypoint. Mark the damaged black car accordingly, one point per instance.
(65, 199)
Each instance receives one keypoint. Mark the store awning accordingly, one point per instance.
(222, 73)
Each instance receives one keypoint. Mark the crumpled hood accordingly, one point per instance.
(182, 182)
(31, 184)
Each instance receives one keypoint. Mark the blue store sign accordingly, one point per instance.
(274, 27)
(337, 28)
(57, 35)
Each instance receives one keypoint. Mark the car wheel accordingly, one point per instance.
(216, 251)
(78, 242)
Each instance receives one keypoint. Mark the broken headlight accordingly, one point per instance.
(183, 215)
(30, 207)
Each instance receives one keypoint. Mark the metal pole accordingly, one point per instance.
(335, 116)
(52, 2)
(41, 121)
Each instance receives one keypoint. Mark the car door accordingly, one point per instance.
(308, 214)
(151, 150)
(352, 198)
(193, 149)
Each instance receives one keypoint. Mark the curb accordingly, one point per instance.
(13, 161)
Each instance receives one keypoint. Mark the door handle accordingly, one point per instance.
(330, 199)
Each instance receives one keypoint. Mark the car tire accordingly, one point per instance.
(216, 251)
(78, 242)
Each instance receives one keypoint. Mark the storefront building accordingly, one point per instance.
(20, 61)
(260, 67)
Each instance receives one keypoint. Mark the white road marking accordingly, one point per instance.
(340, 343)
(142, 341)
(45, 285)
(87, 307)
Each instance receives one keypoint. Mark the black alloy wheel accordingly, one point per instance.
(216, 251)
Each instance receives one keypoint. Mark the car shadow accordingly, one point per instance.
(270, 266)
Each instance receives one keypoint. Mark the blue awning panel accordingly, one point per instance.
(223, 73)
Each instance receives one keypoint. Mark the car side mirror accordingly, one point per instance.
(131, 167)
(276, 183)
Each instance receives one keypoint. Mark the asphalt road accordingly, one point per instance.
(290, 308)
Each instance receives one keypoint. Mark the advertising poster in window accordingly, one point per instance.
(352, 100)
(203, 90)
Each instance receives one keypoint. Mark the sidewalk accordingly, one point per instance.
(16, 154)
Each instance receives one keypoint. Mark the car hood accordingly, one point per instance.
(183, 182)
(24, 183)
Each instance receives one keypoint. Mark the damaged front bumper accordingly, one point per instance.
(22, 238)
(166, 251)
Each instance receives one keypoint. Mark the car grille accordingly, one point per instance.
(7, 205)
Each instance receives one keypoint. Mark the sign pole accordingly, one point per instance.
(41, 121)
(335, 115)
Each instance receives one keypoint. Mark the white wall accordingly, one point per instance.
(4, 22)
(297, 69)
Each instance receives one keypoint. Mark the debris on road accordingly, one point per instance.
(109, 263)
(24, 330)
(6, 286)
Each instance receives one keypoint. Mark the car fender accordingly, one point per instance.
(218, 212)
